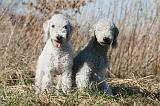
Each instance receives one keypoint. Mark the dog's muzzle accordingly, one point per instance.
(58, 41)
(107, 40)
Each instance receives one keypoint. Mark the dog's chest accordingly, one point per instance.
(59, 63)
(97, 62)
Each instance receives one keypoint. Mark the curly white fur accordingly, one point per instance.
(56, 57)
(89, 66)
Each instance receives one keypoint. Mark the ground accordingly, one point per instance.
(127, 92)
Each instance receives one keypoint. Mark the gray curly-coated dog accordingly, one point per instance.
(56, 57)
(89, 66)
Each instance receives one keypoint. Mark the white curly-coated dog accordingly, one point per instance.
(56, 57)
(90, 64)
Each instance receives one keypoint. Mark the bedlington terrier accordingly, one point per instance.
(56, 57)
(90, 64)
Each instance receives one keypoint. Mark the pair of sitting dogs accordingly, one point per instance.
(87, 69)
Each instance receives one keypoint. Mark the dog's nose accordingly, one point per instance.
(59, 37)
(107, 40)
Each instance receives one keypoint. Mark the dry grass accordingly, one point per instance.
(136, 59)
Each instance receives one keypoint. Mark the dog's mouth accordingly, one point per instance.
(58, 43)
(105, 43)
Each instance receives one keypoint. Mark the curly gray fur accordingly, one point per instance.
(89, 66)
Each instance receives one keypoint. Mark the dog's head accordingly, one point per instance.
(105, 32)
(58, 29)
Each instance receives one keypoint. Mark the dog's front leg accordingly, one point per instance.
(83, 77)
(46, 79)
(66, 82)
(103, 85)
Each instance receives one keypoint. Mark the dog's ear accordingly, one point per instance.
(115, 35)
(92, 30)
(46, 31)
(69, 30)
(93, 33)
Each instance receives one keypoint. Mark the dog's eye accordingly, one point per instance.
(53, 26)
(65, 27)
